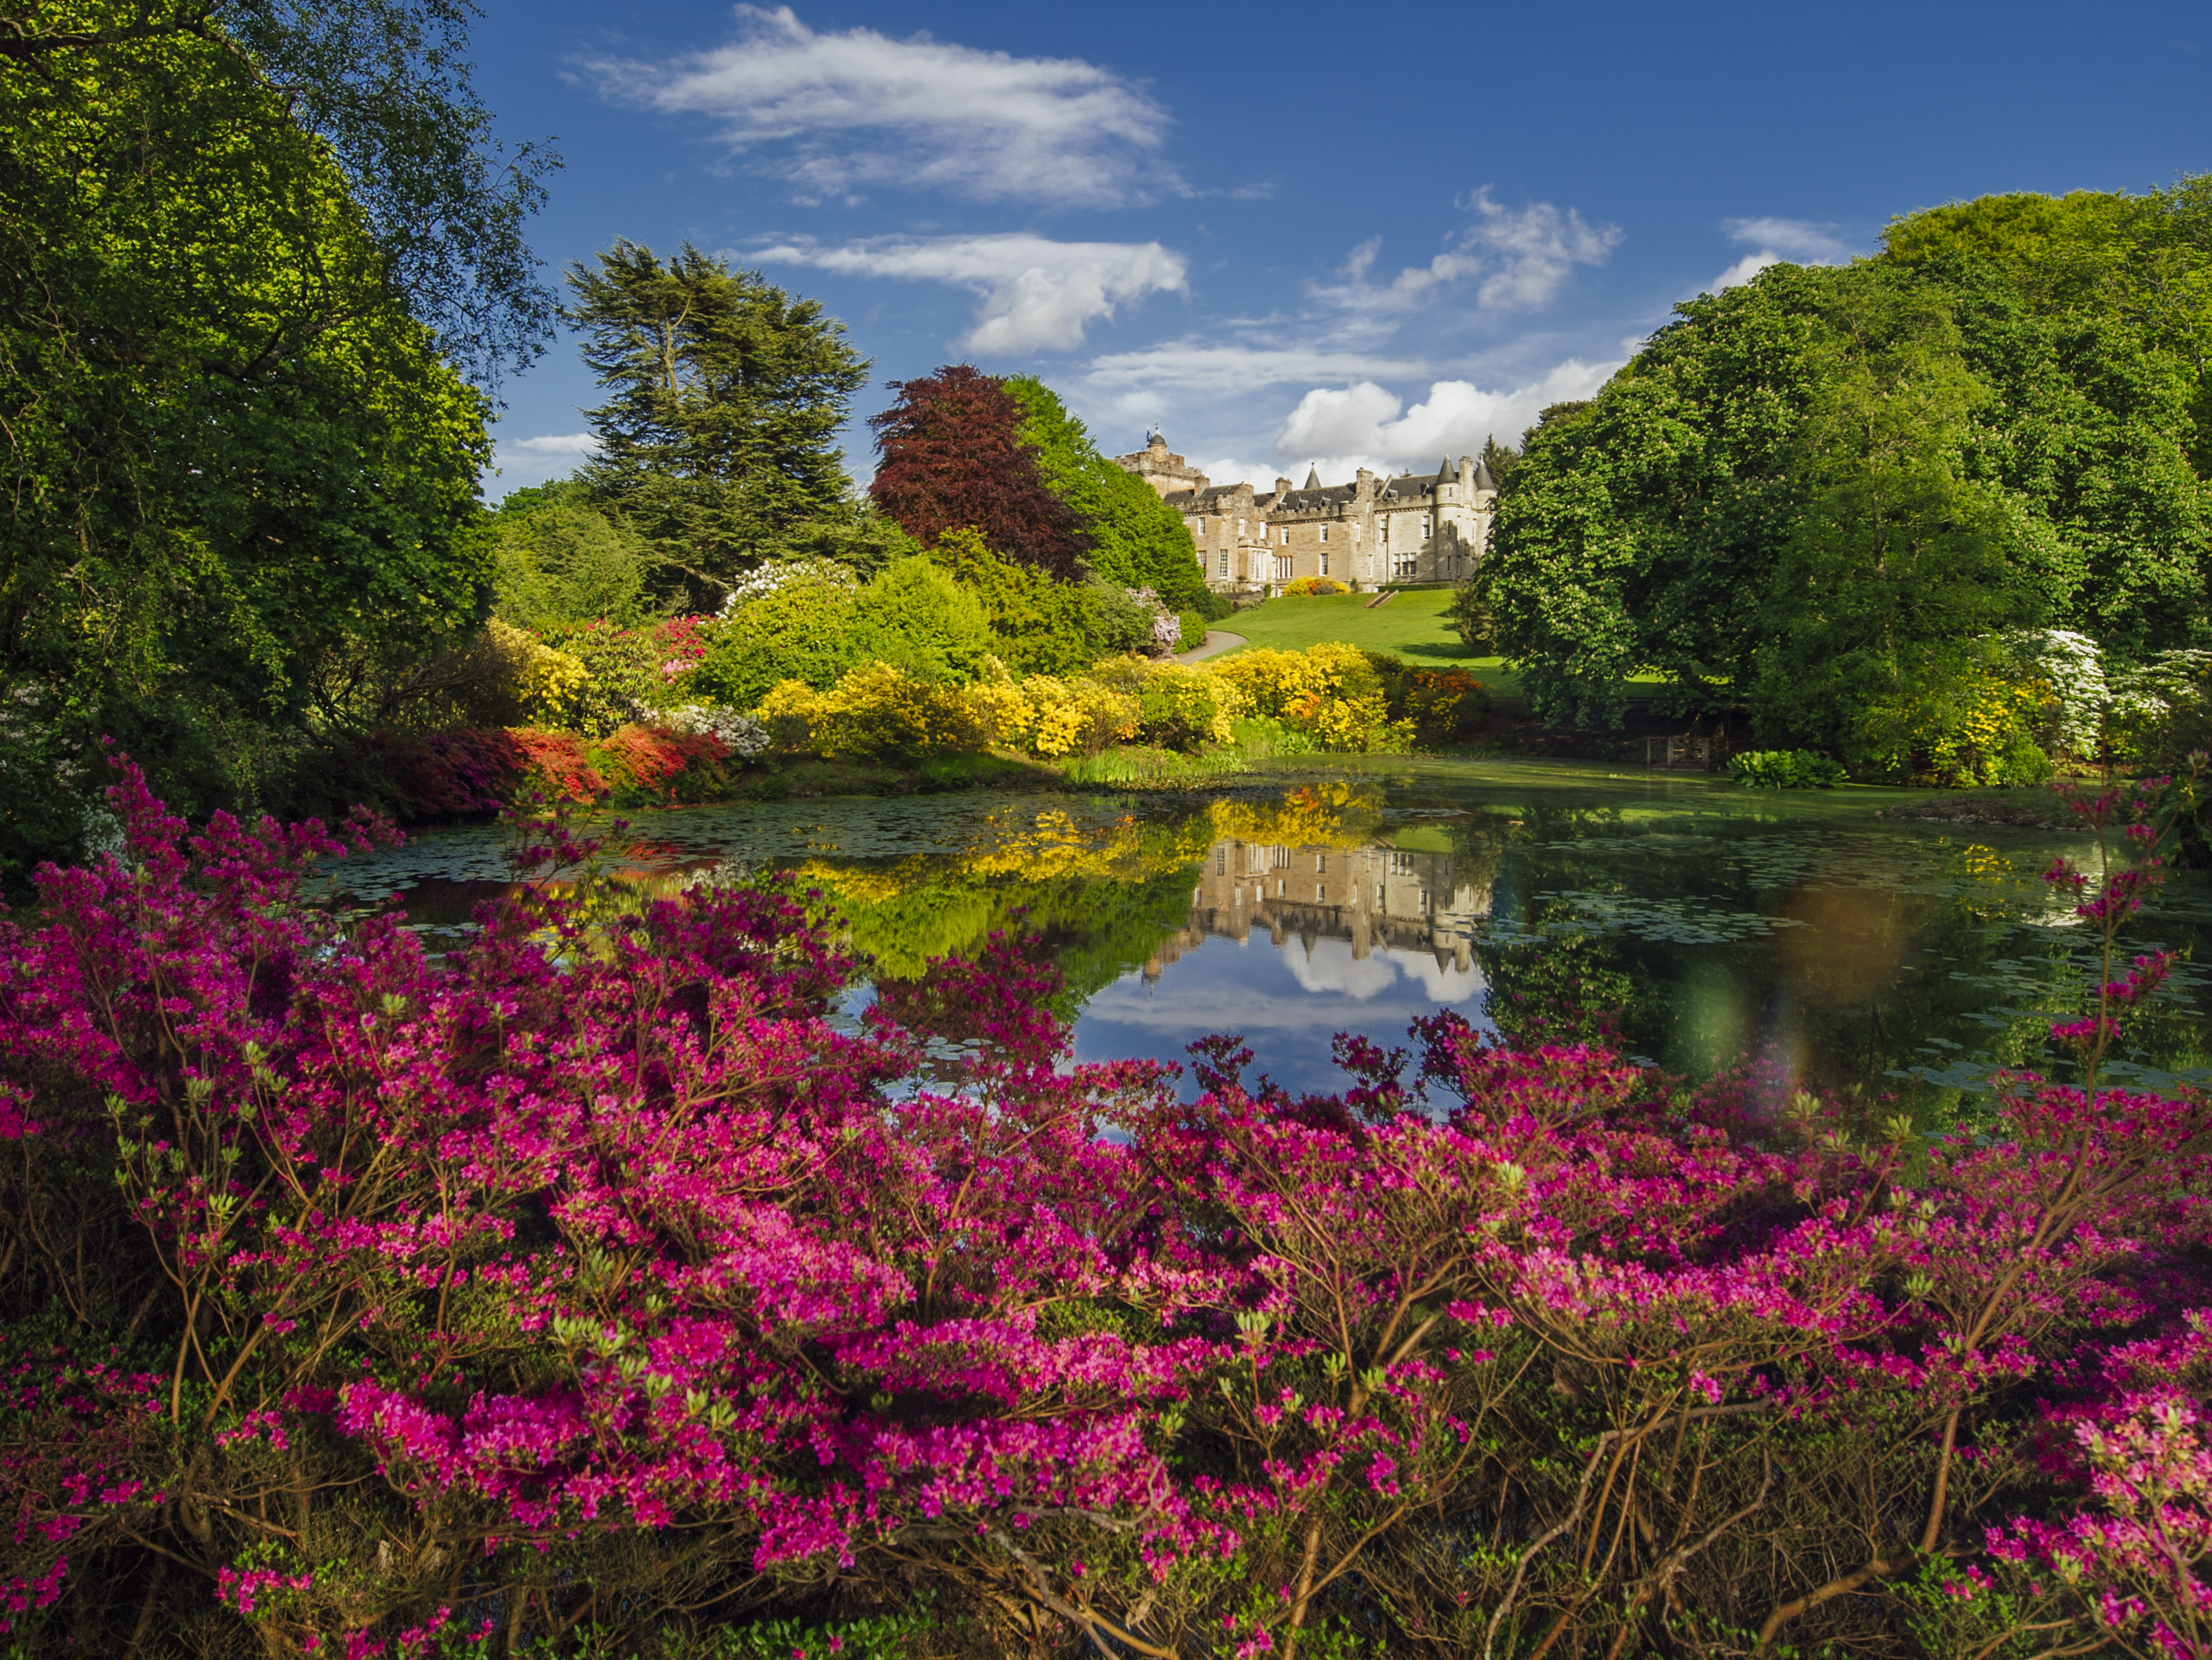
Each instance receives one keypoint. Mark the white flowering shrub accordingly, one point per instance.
(2071, 666)
(2157, 705)
(769, 579)
(743, 736)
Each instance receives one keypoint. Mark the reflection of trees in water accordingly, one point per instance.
(1681, 944)
(1844, 982)
(1099, 899)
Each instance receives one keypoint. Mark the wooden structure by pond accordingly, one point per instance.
(1687, 751)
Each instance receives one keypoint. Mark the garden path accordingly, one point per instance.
(1217, 641)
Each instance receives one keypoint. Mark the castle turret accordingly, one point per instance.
(1168, 474)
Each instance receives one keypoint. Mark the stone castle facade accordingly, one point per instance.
(1371, 532)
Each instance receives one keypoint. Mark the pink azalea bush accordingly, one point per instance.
(594, 1291)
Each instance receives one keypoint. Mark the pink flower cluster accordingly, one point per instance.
(605, 1227)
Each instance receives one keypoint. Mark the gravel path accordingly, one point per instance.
(1213, 645)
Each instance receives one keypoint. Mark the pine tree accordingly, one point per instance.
(718, 444)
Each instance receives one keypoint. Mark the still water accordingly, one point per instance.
(1704, 921)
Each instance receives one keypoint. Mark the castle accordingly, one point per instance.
(1372, 530)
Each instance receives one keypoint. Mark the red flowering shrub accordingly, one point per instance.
(648, 766)
(372, 1303)
(480, 770)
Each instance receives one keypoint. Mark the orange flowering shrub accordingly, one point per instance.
(648, 766)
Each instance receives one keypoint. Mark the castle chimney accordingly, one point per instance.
(1466, 473)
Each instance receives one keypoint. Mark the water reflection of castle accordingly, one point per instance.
(1374, 896)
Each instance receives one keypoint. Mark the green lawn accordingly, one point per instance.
(1413, 625)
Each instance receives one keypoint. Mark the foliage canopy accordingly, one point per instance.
(240, 249)
(1807, 487)
(952, 458)
(717, 441)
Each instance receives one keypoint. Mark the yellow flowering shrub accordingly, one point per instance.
(1966, 725)
(547, 682)
(1178, 707)
(1330, 691)
(876, 711)
(789, 712)
(1077, 717)
(1005, 714)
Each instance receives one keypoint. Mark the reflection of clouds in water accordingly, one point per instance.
(1331, 967)
(1288, 1002)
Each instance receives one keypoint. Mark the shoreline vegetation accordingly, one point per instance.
(881, 727)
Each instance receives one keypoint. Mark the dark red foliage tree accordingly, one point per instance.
(952, 458)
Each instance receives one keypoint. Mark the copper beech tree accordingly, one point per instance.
(951, 457)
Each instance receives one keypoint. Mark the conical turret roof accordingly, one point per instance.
(1312, 478)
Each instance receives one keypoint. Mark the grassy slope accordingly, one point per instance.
(1413, 625)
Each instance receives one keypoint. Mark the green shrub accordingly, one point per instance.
(556, 560)
(917, 618)
(1260, 736)
(1959, 715)
(623, 681)
(786, 623)
(1785, 769)
(1042, 626)
(1193, 631)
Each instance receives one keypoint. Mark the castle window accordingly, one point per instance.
(1287, 538)
(1225, 562)
(1283, 568)
(1424, 527)
(1240, 529)
(1324, 564)
(1324, 533)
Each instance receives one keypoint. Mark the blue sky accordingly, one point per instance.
(1292, 235)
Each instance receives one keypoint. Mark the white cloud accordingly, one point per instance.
(1343, 427)
(1192, 366)
(1517, 257)
(563, 443)
(1803, 240)
(1744, 270)
(1036, 292)
(835, 113)
(1773, 240)
(1227, 470)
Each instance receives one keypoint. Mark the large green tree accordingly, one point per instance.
(1137, 541)
(717, 442)
(2000, 416)
(240, 249)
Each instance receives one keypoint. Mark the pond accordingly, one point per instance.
(1698, 921)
